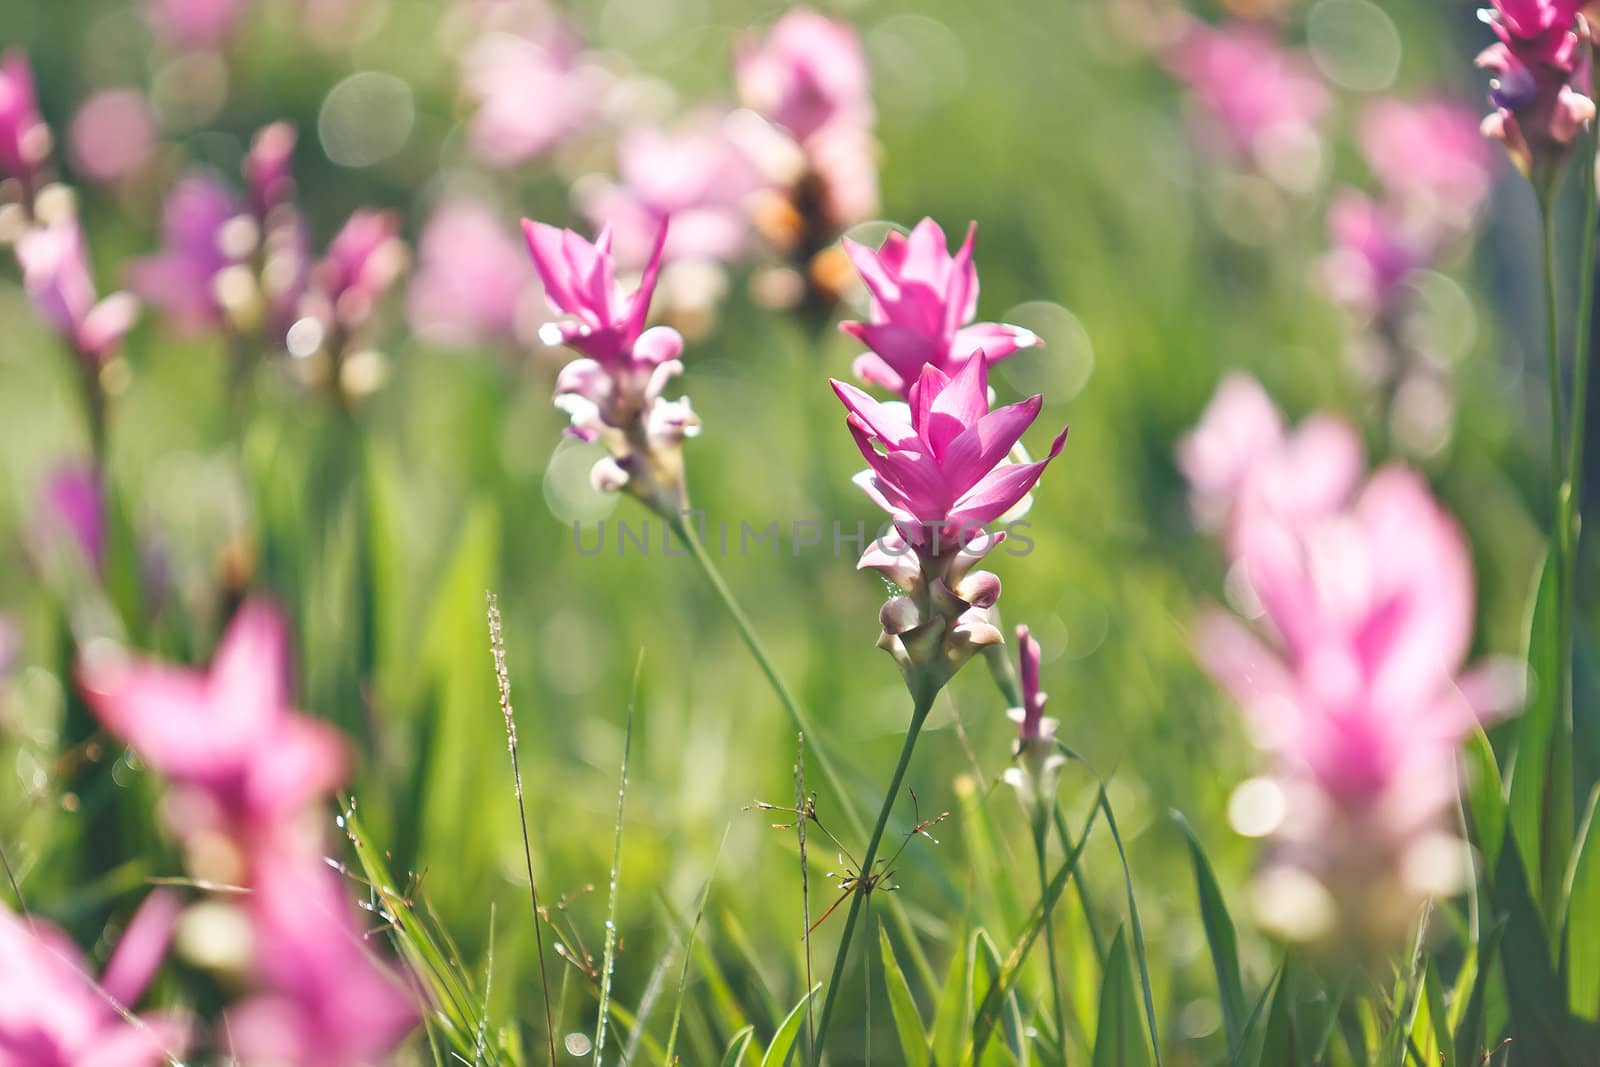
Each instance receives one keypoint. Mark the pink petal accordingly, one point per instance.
(143, 945)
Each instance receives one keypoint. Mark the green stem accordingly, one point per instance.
(1561, 535)
(919, 714)
(764, 661)
(1580, 357)
(1041, 827)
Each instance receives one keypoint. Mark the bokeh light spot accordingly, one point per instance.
(1355, 44)
(366, 118)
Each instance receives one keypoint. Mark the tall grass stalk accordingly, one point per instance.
(502, 677)
(609, 961)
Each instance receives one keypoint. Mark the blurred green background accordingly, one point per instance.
(1148, 269)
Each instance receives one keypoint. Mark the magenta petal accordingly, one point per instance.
(546, 246)
(959, 405)
(994, 495)
(640, 307)
(884, 422)
(996, 339)
(139, 953)
(985, 444)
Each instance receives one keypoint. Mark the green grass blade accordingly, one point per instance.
(1119, 1039)
(1140, 956)
(609, 961)
(1583, 921)
(1220, 936)
(950, 1012)
(907, 1021)
(987, 972)
(1541, 806)
(737, 1047)
(688, 953)
(1485, 798)
(777, 1053)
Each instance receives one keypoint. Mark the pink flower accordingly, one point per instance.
(363, 260)
(195, 23)
(55, 272)
(808, 75)
(1374, 253)
(54, 1014)
(326, 1000)
(1539, 86)
(242, 761)
(923, 303)
(1243, 464)
(181, 278)
(75, 512)
(1038, 763)
(113, 135)
(1430, 157)
(939, 469)
(1031, 722)
(473, 283)
(699, 178)
(1357, 688)
(269, 168)
(613, 393)
(505, 73)
(24, 138)
(1260, 100)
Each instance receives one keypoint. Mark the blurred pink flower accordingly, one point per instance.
(1261, 100)
(269, 168)
(180, 279)
(1038, 761)
(24, 137)
(74, 510)
(326, 1000)
(195, 23)
(700, 178)
(1358, 690)
(55, 273)
(242, 761)
(923, 303)
(1374, 253)
(807, 75)
(472, 283)
(1243, 464)
(1541, 74)
(364, 259)
(940, 468)
(1430, 158)
(532, 95)
(54, 1014)
(113, 135)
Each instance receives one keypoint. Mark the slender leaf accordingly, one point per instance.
(1221, 938)
(609, 961)
(950, 1013)
(907, 1022)
(737, 1047)
(1119, 1035)
(1583, 921)
(1485, 797)
(777, 1053)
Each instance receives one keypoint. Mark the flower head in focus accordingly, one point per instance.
(54, 1014)
(243, 763)
(923, 302)
(939, 468)
(1358, 691)
(1540, 68)
(24, 137)
(613, 393)
(55, 273)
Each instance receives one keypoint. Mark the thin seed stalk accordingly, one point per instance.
(919, 715)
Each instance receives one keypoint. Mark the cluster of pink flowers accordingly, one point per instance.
(248, 776)
(1541, 83)
(940, 464)
(1255, 100)
(613, 391)
(1353, 679)
(242, 264)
